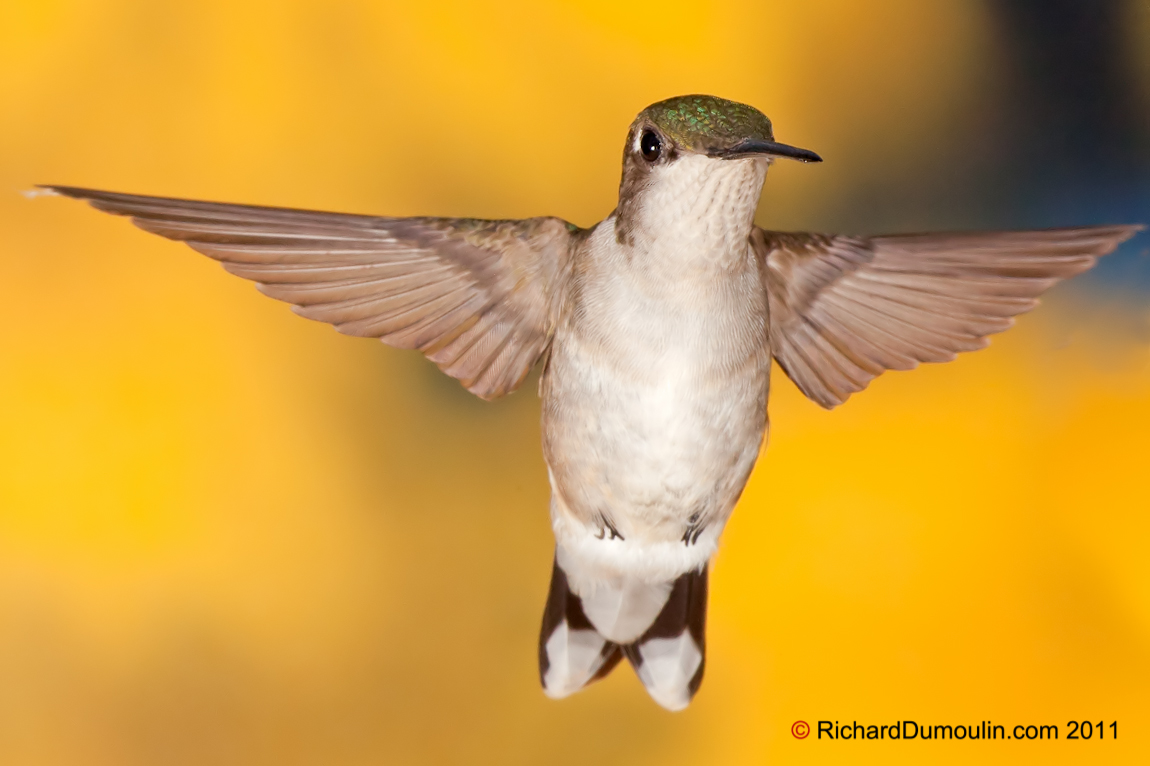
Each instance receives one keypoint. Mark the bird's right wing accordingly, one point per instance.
(844, 309)
(477, 297)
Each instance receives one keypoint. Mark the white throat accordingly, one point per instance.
(699, 207)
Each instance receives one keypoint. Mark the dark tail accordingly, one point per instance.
(572, 654)
(668, 657)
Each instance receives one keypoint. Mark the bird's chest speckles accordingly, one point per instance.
(655, 399)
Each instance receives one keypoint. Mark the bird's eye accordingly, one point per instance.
(650, 146)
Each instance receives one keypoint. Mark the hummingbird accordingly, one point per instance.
(656, 329)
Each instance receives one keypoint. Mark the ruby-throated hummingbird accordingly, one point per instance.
(656, 329)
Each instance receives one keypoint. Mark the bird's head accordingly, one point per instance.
(693, 157)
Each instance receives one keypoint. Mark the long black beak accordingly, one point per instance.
(750, 146)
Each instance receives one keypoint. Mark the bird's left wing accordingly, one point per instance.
(477, 297)
(844, 309)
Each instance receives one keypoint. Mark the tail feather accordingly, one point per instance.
(572, 653)
(668, 656)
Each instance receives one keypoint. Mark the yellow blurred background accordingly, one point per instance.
(232, 536)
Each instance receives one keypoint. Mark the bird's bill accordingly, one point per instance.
(751, 147)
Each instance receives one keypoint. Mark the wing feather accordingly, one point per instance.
(844, 309)
(477, 297)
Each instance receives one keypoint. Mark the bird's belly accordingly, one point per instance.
(653, 443)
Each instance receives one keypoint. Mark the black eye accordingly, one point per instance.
(650, 146)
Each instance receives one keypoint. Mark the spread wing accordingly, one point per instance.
(844, 309)
(475, 296)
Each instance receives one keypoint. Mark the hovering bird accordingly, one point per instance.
(656, 329)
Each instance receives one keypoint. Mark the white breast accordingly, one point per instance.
(654, 406)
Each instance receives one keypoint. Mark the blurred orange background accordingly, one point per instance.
(232, 536)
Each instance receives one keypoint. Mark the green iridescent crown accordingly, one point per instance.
(700, 122)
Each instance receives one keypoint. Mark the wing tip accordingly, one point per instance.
(92, 196)
(60, 190)
(1123, 232)
(40, 190)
